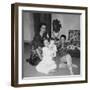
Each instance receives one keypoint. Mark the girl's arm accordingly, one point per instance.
(54, 54)
(55, 50)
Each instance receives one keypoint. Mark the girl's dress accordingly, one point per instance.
(47, 64)
(53, 49)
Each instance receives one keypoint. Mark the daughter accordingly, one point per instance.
(47, 64)
(53, 47)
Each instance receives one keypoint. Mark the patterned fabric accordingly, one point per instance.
(38, 40)
(34, 58)
(62, 51)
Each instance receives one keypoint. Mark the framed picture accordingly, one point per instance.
(48, 44)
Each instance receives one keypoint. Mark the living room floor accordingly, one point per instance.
(30, 71)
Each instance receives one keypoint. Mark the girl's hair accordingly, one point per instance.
(51, 38)
(42, 24)
(46, 39)
(63, 36)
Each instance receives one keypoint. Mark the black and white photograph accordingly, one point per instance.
(47, 49)
(51, 44)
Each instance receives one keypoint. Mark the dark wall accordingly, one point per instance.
(42, 18)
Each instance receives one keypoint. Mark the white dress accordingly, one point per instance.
(47, 64)
(53, 49)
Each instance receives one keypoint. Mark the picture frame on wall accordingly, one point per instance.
(48, 44)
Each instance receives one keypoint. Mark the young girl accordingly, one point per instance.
(53, 47)
(47, 64)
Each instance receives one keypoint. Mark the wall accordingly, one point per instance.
(68, 21)
(28, 26)
(5, 45)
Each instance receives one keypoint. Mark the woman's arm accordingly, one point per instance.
(39, 54)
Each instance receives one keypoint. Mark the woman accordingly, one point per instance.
(37, 44)
(65, 57)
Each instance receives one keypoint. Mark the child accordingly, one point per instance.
(53, 47)
(47, 64)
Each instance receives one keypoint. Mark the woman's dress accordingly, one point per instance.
(36, 43)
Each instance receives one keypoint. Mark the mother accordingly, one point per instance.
(37, 44)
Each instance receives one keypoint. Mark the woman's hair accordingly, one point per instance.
(63, 36)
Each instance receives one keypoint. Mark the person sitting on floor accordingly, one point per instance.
(47, 64)
(65, 57)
